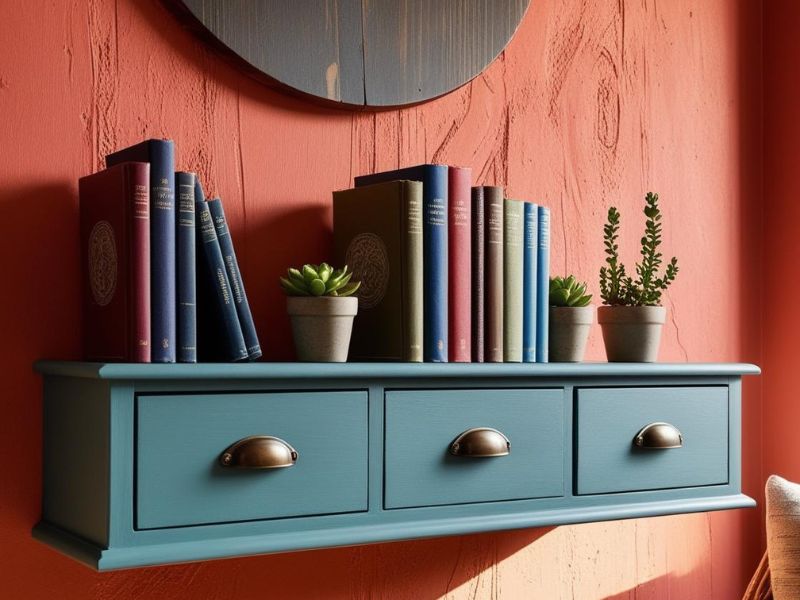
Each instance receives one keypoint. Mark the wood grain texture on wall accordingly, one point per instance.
(593, 103)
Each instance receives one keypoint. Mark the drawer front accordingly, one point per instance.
(608, 419)
(179, 480)
(421, 425)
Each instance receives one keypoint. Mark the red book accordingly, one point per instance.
(115, 254)
(459, 252)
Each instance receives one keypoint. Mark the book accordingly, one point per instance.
(434, 251)
(235, 279)
(185, 269)
(377, 232)
(161, 156)
(115, 254)
(219, 334)
(478, 253)
(529, 281)
(493, 273)
(543, 286)
(513, 218)
(459, 268)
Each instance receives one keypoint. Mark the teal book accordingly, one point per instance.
(543, 286)
(530, 283)
(513, 217)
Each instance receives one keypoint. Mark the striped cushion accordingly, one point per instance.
(783, 537)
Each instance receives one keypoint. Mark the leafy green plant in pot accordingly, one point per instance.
(321, 306)
(632, 316)
(571, 318)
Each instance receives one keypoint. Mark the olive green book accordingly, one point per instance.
(377, 232)
(513, 213)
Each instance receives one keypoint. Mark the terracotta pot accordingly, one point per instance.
(632, 333)
(569, 331)
(322, 326)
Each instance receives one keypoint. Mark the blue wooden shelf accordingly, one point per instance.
(132, 471)
(295, 370)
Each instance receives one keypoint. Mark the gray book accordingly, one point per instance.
(513, 213)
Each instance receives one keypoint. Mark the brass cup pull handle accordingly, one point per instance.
(658, 436)
(258, 452)
(481, 442)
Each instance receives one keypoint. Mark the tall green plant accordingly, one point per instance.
(617, 288)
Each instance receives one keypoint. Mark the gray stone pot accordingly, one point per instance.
(632, 333)
(569, 331)
(322, 326)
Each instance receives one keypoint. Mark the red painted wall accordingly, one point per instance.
(593, 103)
(781, 240)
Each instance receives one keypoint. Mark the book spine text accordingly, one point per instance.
(529, 282)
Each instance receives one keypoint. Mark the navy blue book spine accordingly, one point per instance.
(227, 339)
(186, 269)
(161, 156)
(434, 251)
(235, 277)
(530, 283)
(543, 287)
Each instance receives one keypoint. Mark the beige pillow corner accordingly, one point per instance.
(783, 537)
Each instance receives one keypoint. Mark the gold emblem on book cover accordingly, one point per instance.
(102, 263)
(369, 261)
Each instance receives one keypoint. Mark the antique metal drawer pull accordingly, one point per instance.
(658, 436)
(480, 442)
(259, 452)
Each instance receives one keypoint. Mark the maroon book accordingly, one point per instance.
(115, 254)
(459, 252)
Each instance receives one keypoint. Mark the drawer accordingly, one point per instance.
(180, 481)
(608, 420)
(421, 425)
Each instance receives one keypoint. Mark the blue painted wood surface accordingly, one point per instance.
(421, 424)
(102, 504)
(180, 438)
(609, 418)
(384, 371)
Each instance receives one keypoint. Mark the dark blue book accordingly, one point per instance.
(161, 156)
(543, 286)
(530, 249)
(186, 269)
(219, 335)
(434, 251)
(235, 278)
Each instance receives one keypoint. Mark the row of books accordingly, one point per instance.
(449, 272)
(161, 279)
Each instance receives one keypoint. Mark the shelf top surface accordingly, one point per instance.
(297, 370)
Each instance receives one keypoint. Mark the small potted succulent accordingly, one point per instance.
(321, 305)
(571, 318)
(633, 317)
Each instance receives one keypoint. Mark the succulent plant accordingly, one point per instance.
(319, 280)
(619, 289)
(568, 291)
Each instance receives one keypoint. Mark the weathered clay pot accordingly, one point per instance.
(322, 326)
(569, 331)
(632, 333)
